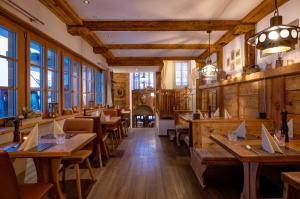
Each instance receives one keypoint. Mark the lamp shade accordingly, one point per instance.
(277, 38)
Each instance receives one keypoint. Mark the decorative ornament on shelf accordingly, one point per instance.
(209, 71)
(277, 38)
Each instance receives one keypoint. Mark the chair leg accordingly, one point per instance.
(99, 155)
(64, 175)
(88, 164)
(78, 181)
(107, 154)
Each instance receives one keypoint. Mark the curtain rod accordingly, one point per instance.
(23, 11)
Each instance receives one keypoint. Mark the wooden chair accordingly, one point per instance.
(9, 187)
(78, 125)
(111, 112)
(291, 185)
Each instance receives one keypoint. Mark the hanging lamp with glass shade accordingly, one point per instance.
(209, 71)
(277, 38)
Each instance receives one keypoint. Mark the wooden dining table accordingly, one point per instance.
(48, 162)
(255, 157)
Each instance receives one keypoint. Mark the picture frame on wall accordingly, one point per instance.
(232, 55)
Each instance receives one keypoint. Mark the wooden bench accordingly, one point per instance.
(291, 184)
(204, 153)
(210, 155)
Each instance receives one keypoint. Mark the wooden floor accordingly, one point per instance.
(146, 166)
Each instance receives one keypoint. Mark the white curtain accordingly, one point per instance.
(109, 87)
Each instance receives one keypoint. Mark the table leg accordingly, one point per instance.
(251, 180)
(99, 154)
(48, 172)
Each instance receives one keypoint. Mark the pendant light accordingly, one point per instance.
(277, 38)
(209, 71)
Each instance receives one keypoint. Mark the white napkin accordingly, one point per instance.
(205, 116)
(32, 139)
(201, 115)
(57, 129)
(227, 115)
(291, 128)
(241, 131)
(217, 113)
(268, 142)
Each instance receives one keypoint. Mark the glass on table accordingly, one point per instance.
(232, 136)
(60, 138)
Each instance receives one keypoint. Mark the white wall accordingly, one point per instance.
(56, 29)
(290, 11)
(237, 43)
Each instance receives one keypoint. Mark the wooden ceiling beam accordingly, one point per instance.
(65, 13)
(151, 46)
(114, 62)
(263, 9)
(162, 25)
(155, 58)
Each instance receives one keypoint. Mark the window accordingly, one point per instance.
(143, 80)
(99, 88)
(52, 72)
(67, 83)
(8, 67)
(76, 83)
(88, 86)
(36, 76)
(181, 74)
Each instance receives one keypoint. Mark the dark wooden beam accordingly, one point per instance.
(151, 46)
(116, 62)
(156, 58)
(66, 14)
(162, 25)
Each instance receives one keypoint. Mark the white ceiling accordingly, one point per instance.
(156, 53)
(158, 37)
(163, 9)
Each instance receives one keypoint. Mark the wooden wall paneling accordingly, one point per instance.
(220, 99)
(231, 100)
(158, 80)
(292, 90)
(277, 99)
(198, 95)
(121, 90)
(249, 100)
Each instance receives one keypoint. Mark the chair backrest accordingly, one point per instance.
(111, 112)
(8, 180)
(79, 125)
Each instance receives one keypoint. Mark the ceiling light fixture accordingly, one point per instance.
(209, 71)
(277, 38)
(86, 2)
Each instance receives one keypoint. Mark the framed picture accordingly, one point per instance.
(228, 62)
(232, 65)
(238, 53)
(232, 55)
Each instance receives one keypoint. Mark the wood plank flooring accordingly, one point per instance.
(146, 166)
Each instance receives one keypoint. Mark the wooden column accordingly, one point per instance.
(158, 80)
(249, 50)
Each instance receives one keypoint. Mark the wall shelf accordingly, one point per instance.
(277, 72)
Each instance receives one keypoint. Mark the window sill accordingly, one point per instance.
(29, 123)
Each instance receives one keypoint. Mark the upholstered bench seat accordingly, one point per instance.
(210, 155)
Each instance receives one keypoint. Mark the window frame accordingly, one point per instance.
(14, 61)
(46, 45)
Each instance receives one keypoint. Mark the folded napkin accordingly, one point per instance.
(201, 115)
(241, 131)
(268, 142)
(291, 128)
(57, 129)
(217, 113)
(32, 139)
(227, 115)
(205, 116)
